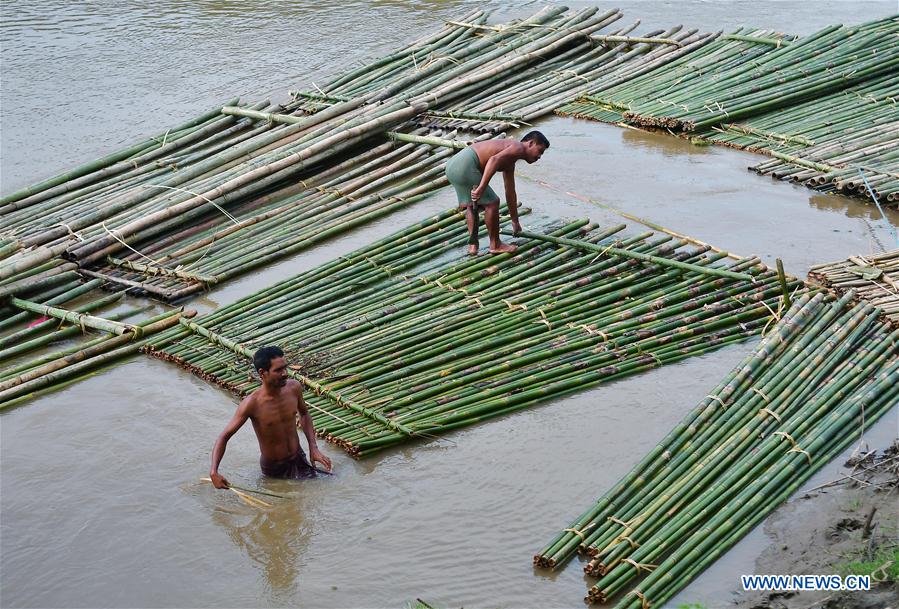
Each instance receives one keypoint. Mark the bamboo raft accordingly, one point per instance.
(874, 279)
(416, 342)
(855, 151)
(531, 92)
(823, 374)
(20, 380)
(171, 215)
(651, 99)
(824, 106)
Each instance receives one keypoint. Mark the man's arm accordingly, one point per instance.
(309, 431)
(512, 198)
(218, 451)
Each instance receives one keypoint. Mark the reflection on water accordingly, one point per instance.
(852, 208)
(662, 142)
(273, 538)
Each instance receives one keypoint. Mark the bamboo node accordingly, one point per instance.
(71, 232)
(646, 603)
(619, 521)
(786, 436)
(655, 357)
(512, 306)
(719, 400)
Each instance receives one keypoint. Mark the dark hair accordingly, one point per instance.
(262, 359)
(537, 137)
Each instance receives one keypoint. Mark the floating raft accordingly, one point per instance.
(529, 93)
(826, 372)
(20, 380)
(873, 278)
(824, 106)
(171, 215)
(405, 340)
(855, 151)
(651, 99)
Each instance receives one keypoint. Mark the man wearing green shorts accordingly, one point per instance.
(470, 171)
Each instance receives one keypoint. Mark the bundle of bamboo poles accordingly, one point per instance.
(874, 278)
(19, 380)
(862, 163)
(726, 81)
(845, 142)
(827, 371)
(526, 95)
(608, 101)
(196, 177)
(415, 343)
(368, 185)
(74, 327)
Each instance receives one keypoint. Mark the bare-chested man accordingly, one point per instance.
(273, 409)
(470, 172)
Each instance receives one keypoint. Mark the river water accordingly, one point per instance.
(100, 493)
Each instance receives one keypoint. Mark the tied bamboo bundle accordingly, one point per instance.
(531, 93)
(827, 371)
(390, 176)
(862, 162)
(608, 101)
(824, 142)
(726, 81)
(69, 364)
(823, 106)
(415, 343)
(234, 172)
(873, 278)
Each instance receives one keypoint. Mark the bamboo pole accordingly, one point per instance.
(635, 255)
(80, 319)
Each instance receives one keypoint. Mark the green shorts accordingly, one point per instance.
(464, 173)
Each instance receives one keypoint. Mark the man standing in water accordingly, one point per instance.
(273, 409)
(470, 171)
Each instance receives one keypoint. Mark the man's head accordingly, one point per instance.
(535, 144)
(269, 363)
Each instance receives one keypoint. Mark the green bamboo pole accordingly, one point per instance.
(636, 256)
(80, 319)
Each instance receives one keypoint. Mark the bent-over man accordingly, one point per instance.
(470, 171)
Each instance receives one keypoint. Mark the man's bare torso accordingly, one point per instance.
(274, 421)
(489, 148)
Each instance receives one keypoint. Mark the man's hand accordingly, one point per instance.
(476, 193)
(516, 227)
(218, 480)
(316, 455)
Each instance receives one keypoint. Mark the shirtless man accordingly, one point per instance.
(470, 172)
(273, 409)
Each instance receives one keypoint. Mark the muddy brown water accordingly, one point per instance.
(100, 498)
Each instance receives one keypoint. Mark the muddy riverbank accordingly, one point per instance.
(848, 526)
